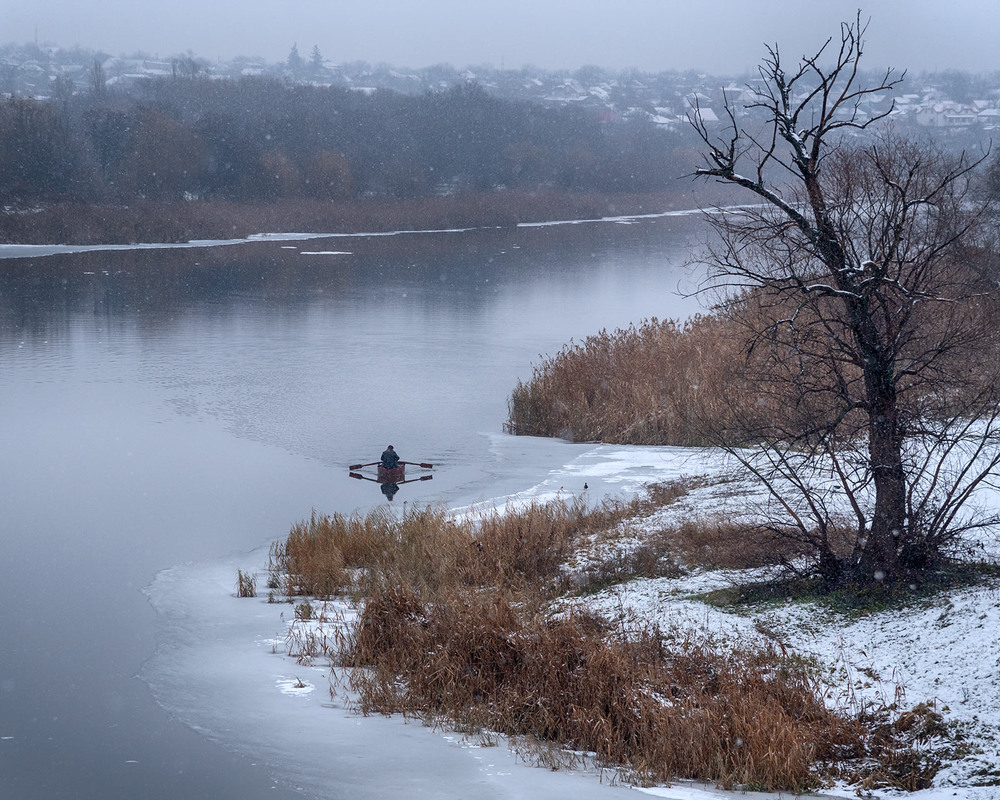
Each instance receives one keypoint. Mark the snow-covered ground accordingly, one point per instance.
(224, 667)
(945, 654)
(944, 651)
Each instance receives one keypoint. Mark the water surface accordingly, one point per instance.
(169, 406)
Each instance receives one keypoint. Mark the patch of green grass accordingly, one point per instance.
(853, 600)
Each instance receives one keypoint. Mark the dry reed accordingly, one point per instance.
(246, 584)
(736, 376)
(655, 383)
(335, 554)
(455, 627)
(655, 705)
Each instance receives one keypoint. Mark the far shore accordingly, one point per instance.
(12, 251)
(146, 222)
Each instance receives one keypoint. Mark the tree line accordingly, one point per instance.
(258, 140)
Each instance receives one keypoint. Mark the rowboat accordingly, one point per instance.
(394, 475)
(389, 473)
(390, 480)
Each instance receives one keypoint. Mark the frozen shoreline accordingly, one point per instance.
(220, 668)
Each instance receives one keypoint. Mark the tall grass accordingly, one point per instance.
(246, 584)
(738, 376)
(658, 382)
(657, 705)
(456, 624)
(426, 549)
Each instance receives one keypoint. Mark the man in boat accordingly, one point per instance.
(390, 459)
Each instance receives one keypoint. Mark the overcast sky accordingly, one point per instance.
(720, 36)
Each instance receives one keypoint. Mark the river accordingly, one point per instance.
(162, 407)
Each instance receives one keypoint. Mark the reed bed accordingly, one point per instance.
(652, 705)
(458, 625)
(655, 383)
(425, 548)
(735, 376)
(246, 584)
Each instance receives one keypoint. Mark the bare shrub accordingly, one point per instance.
(907, 749)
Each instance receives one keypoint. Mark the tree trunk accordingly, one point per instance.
(880, 556)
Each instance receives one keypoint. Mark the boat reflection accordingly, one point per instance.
(389, 483)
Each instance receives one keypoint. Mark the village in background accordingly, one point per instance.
(962, 104)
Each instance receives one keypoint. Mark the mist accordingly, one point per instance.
(720, 36)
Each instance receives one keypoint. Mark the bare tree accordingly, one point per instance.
(865, 310)
(98, 80)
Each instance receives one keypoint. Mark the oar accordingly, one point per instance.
(362, 477)
(415, 464)
(414, 480)
(359, 466)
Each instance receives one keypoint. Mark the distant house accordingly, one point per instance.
(694, 99)
(704, 114)
(698, 108)
(989, 118)
(961, 119)
(947, 114)
(664, 121)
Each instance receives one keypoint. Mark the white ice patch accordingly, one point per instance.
(684, 793)
(37, 250)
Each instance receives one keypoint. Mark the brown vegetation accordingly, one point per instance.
(457, 626)
(772, 394)
(658, 704)
(332, 554)
(246, 584)
(656, 383)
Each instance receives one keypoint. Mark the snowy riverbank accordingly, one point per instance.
(222, 667)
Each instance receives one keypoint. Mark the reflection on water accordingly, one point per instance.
(163, 406)
(388, 487)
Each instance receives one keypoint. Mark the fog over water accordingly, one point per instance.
(720, 36)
